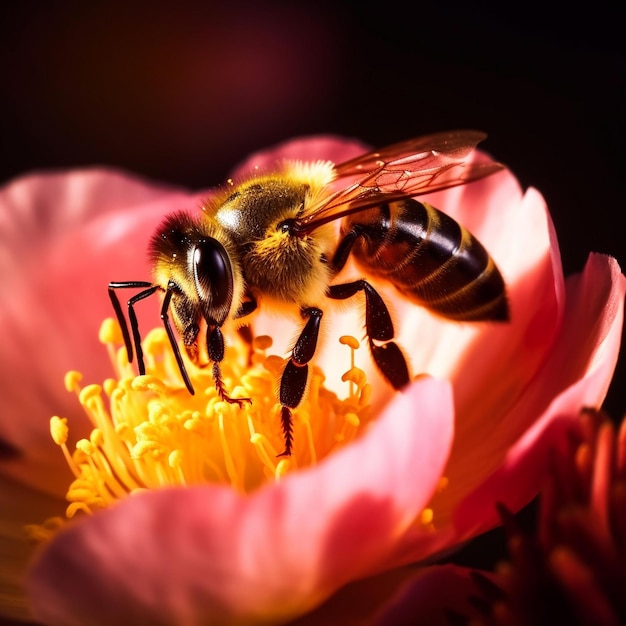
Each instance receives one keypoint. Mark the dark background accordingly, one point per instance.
(181, 93)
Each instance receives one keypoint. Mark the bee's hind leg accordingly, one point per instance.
(295, 375)
(379, 327)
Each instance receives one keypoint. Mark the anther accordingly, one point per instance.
(59, 430)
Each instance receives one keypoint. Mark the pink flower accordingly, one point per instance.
(572, 567)
(423, 478)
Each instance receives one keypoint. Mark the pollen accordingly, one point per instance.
(148, 432)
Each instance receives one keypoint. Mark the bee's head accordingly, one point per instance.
(185, 252)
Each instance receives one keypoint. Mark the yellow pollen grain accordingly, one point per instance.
(149, 432)
(348, 340)
(262, 342)
(59, 430)
(75, 507)
(426, 517)
(39, 533)
(110, 332)
(73, 380)
(282, 468)
(96, 437)
(355, 375)
(85, 446)
(352, 374)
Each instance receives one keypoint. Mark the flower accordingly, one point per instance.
(570, 569)
(480, 426)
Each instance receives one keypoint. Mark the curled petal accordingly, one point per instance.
(568, 380)
(208, 554)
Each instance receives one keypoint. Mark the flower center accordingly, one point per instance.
(148, 431)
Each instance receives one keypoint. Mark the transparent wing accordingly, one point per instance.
(410, 168)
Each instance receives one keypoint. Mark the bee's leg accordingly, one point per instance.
(247, 307)
(190, 338)
(245, 332)
(134, 325)
(340, 257)
(295, 375)
(379, 327)
(215, 348)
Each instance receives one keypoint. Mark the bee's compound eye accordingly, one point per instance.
(213, 272)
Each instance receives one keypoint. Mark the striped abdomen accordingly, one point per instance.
(431, 259)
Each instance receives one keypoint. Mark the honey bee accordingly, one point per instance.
(274, 238)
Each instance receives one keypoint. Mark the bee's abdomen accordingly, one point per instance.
(431, 259)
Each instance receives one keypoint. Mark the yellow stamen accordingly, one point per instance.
(38, 533)
(59, 432)
(282, 468)
(149, 432)
(72, 381)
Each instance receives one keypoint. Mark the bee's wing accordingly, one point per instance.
(410, 168)
(423, 152)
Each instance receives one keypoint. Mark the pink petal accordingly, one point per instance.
(576, 374)
(493, 374)
(54, 298)
(187, 556)
(492, 365)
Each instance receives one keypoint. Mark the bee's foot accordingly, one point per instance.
(226, 398)
(239, 401)
(287, 424)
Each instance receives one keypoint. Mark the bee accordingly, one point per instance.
(282, 237)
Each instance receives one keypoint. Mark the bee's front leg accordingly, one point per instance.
(295, 375)
(215, 349)
(134, 325)
(189, 332)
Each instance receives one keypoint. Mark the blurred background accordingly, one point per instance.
(181, 93)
